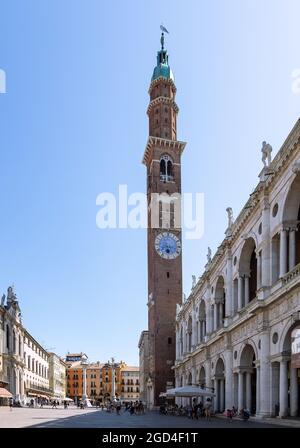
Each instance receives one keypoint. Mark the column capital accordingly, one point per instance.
(241, 369)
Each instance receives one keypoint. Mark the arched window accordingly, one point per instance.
(166, 168)
(202, 322)
(7, 337)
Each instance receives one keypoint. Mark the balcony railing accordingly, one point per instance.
(38, 388)
(291, 275)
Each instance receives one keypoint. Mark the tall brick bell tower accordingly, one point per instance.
(162, 158)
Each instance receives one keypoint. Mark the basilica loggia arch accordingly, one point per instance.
(219, 386)
(219, 303)
(248, 273)
(201, 322)
(285, 376)
(289, 234)
(202, 377)
(247, 379)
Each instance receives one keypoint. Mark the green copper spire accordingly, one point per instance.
(162, 68)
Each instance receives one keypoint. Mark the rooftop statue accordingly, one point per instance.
(230, 216)
(266, 153)
(208, 256)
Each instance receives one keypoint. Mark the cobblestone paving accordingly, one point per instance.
(92, 418)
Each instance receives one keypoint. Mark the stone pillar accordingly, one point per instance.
(208, 374)
(194, 329)
(294, 392)
(229, 289)
(283, 252)
(265, 376)
(241, 391)
(292, 249)
(184, 344)
(215, 316)
(283, 389)
(177, 343)
(221, 315)
(266, 248)
(216, 385)
(209, 319)
(248, 391)
(194, 382)
(222, 386)
(17, 384)
(240, 293)
(229, 398)
(246, 290)
(258, 258)
(257, 390)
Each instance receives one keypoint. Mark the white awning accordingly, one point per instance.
(192, 391)
(170, 393)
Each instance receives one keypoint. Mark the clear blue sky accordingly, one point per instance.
(73, 124)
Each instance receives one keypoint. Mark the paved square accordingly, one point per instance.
(95, 418)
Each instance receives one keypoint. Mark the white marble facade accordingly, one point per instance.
(233, 333)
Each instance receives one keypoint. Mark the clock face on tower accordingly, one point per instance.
(167, 245)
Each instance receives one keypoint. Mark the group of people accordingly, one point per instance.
(133, 407)
(193, 411)
(203, 410)
(136, 407)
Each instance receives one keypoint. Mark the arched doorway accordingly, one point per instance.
(247, 380)
(289, 373)
(219, 386)
(247, 281)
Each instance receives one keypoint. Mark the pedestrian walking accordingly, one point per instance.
(11, 403)
(207, 407)
(118, 406)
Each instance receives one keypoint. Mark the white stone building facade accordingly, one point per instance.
(233, 333)
(57, 376)
(36, 371)
(11, 346)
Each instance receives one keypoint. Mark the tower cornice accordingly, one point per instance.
(162, 79)
(161, 143)
(164, 100)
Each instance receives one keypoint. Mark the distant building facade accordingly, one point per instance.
(130, 383)
(57, 376)
(100, 380)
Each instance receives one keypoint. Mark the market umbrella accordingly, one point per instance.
(192, 391)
